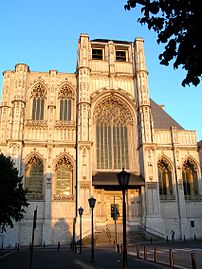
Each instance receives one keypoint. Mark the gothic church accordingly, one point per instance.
(71, 133)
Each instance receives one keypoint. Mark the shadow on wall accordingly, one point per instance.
(61, 232)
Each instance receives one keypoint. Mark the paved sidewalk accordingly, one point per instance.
(64, 259)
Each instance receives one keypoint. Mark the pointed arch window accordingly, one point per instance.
(165, 178)
(38, 100)
(189, 175)
(113, 123)
(63, 178)
(66, 97)
(65, 109)
(34, 177)
(38, 108)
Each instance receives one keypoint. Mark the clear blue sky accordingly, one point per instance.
(44, 35)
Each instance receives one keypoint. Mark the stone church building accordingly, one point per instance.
(71, 133)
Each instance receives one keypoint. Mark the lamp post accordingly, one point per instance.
(92, 201)
(123, 178)
(80, 214)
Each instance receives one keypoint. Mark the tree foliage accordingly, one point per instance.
(12, 195)
(178, 25)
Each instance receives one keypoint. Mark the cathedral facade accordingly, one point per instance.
(69, 135)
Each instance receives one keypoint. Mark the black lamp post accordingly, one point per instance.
(80, 214)
(123, 178)
(92, 201)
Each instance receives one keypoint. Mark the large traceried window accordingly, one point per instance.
(66, 97)
(189, 175)
(63, 178)
(113, 121)
(34, 177)
(165, 178)
(38, 97)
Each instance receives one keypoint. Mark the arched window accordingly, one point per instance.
(165, 178)
(63, 178)
(66, 97)
(189, 175)
(38, 99)
(113, 122)
(34, 177)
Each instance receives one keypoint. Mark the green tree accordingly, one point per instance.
(178, 25)
(12, 195)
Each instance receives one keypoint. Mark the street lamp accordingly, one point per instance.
(80, 214)
(92, 201)
(123, 178)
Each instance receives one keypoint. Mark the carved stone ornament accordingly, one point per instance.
(66, 92)
(85, 184)
(189, 164)
(64, 160)
(112, 110)
(38, 91)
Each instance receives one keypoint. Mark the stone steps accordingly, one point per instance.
(106, 235)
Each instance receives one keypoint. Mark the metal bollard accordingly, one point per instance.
(145, 252)
(117, 248)
(167, 239)
(138, 253)
(193, 260)
(194, 237)
(184, 238)
(18, 246)
(155, 255)
(171, 260)
(58, 245)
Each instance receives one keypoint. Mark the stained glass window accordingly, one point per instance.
(113, 121)
(34, 175)
(64, 169)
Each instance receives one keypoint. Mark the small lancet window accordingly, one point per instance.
(165, 178)
(38, 101)
(189, 174)
(66, 102)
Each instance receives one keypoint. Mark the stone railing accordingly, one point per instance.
(34, 123)
(181, 137)
(65, 124)
(61, 197)
(35, 197)
(195, 198)
(167, 197)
